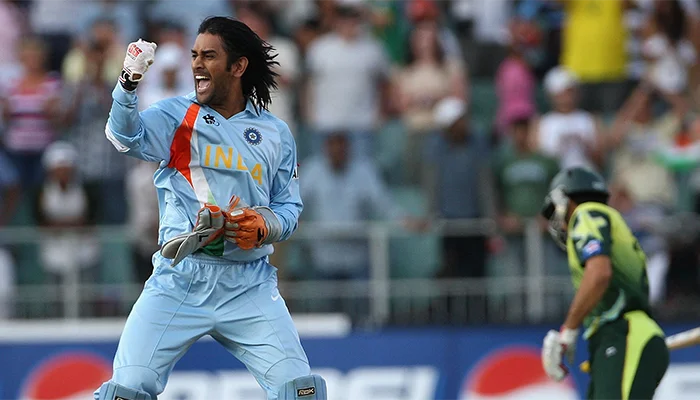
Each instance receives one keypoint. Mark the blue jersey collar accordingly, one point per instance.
(249, 107)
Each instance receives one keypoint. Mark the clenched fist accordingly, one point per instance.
(139, 56)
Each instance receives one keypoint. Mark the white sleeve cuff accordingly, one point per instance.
(116, 143)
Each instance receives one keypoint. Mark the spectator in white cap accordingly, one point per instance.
(568, 133)
(459, 181)
(67, 249)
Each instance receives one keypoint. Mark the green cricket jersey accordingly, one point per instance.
(596, 229)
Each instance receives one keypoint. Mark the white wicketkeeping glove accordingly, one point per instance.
(209, 226)
(558, 346)
(139, 56)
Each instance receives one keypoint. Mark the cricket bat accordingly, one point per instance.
(674, 342)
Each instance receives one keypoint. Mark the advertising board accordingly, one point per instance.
(411, 364)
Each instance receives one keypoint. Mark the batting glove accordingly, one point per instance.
(558, 346)
(209, 227)
(139, 56)
(250, 227)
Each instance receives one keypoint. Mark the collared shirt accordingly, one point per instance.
(346, 197)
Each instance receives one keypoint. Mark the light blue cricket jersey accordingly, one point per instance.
(205, 157)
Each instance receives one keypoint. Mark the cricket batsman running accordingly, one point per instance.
(628, 355)
(227, 190)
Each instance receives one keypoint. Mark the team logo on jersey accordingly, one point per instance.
(210, 120)
(252, 136)
(592, 248)
(295, 173)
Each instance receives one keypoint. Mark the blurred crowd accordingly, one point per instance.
(407, 111)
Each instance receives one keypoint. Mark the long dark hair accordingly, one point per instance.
(240, 41)
(410, 56)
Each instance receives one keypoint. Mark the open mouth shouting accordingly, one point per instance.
(202, 83)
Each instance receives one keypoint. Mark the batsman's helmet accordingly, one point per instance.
(570, 184)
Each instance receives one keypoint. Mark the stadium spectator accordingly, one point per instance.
(568, 133)
(594, 42)
(428, 76)
(143, 217)
(347, 72)
(542, 20)
(515, 82)
(522, 176)
(289, 59)
(426, 12)
(339, 191)
(484, 30)
(100, 166)
(307, 32)
(668, 53)
(63, 206)
(12, 28)
(32, 112)
(55, 23)
(102, 38)
(459, 182)
(635, 139)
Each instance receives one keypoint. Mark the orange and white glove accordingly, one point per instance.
(250, 227)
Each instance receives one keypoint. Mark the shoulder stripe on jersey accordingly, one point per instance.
(199, 180)
(180, 149)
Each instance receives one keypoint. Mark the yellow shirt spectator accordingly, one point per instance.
(594, 39)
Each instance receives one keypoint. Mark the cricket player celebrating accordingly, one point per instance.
(628, 355)
(227, 189)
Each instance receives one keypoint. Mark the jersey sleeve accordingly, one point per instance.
(146, 135)
(285, 200)
(591, 234)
